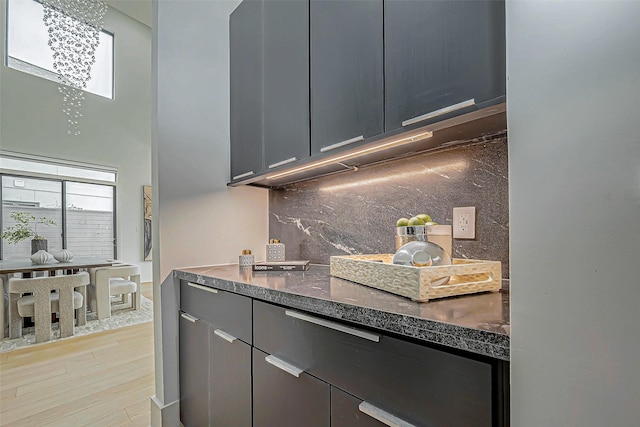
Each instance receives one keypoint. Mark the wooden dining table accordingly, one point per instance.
(27, 268)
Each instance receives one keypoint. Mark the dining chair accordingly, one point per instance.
(42, 302)
(120, 279)
(124, 298)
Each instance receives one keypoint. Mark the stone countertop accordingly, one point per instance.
(475, 323)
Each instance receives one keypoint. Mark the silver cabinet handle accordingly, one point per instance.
(445, 110)
(333, 325)
(204, 288)
(281, 364)
(225, 336)
(243, 175)
(284, 162)
(189, 317)
(341, 144)
(382, 416)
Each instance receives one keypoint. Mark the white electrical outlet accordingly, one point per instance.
(464, 223)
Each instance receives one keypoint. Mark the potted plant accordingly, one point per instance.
(23, 230)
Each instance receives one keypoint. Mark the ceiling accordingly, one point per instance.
(139, 10)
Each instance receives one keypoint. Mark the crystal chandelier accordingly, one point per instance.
(74, 34)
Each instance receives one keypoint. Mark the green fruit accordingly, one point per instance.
(402, 222)
(424, 217)
(430, 223)
(415, 221)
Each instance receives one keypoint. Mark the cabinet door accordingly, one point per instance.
(346, 73)
(230, 381)
(281, 399)
(222, 309)
(345, 411)
(245, 55)
(194, 371)
(441, 54)
(419, 384)
(286, 82)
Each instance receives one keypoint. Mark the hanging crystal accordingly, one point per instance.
(74, 34)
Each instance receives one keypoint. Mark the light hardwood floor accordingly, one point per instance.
(104, 379)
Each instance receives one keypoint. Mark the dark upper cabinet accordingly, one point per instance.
(347, 101)
(310, 78)
(441, 54)
(245, 50)
(286, 82)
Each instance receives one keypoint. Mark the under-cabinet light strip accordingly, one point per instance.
(381, 147)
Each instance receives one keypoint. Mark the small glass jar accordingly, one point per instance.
(275, 251)
(246, 259)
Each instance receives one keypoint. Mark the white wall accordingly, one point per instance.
(200, 221)
(574, 162)
(113, 132)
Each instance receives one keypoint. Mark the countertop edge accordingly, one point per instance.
(477, 341)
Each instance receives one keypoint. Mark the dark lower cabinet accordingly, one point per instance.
(230, 380)
(442, 58)
(281, 399)
(306, 370)
(345, 411)
(226, 310)
(215, 364)
(215, 376)
(194, 372)
(418, 384)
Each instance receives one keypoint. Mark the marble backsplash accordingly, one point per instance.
(355, 212)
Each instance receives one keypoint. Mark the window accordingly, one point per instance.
(28, 48)
(81, 203)
(49, 167)
(89, 219)
(38, 197)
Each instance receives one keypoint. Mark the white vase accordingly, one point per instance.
(41, 257)
(64, 255)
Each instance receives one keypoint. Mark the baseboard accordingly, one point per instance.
(165, 415)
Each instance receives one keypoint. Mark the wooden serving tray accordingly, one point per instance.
(467, 276)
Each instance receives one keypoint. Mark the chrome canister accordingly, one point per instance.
(410, 233)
